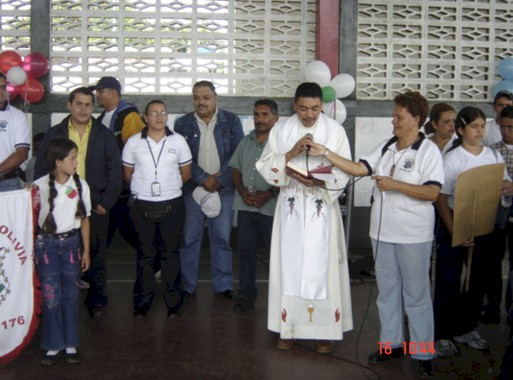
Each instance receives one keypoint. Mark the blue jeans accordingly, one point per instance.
(402, 275)
(10, 184)
(58, 268)
(219, 229)
(250, 225)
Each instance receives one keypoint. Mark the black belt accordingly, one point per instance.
(64, 235)
(12, 174)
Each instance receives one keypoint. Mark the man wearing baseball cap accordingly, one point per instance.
(124, 120)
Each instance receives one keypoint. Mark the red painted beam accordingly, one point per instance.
(327, 33)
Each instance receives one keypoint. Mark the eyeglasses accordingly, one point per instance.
(156, 114)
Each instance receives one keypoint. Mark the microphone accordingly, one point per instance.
(308, 146)
(383, 195)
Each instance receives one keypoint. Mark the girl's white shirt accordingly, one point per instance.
(65, 203)
(459, 160)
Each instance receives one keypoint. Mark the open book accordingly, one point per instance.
(323, 173)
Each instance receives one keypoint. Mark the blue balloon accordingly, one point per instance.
(506, 68)
(503, 85)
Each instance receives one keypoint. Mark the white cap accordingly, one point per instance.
(210, 202)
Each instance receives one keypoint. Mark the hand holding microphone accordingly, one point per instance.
(302, 145)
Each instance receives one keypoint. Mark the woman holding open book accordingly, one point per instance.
(408, 171)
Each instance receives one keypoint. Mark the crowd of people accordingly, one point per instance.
(161, 186)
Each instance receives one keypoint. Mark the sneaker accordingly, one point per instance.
(472, 339)
(381, 357)
(445, 348)
(73, 358)
(425, 369)
(172, 312)
(49, 360)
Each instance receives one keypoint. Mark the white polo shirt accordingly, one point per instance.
(459, 160)
(174, 153)
(65, 203)
(14, 131)
(492, 133)
(404, 219)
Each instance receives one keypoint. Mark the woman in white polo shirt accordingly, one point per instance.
(408, 173)
(156, 163)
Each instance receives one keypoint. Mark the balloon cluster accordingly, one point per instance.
(340, 86)
(22, 74)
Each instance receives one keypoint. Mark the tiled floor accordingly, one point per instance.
(208, 341)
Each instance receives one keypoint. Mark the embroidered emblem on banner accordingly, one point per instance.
(5, 288)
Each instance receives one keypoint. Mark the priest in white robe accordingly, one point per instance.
(309, 288)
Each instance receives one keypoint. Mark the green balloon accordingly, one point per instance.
(328, 94)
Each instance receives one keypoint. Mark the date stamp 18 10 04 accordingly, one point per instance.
(411, 348)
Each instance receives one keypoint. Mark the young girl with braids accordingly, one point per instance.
(65, 207)
(457, 312)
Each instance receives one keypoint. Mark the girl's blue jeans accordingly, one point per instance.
(58, 267)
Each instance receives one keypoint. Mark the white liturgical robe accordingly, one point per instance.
(309, 289)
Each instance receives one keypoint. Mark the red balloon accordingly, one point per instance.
(13, 91)
(32, 91)
(35, 65)
(8, 59)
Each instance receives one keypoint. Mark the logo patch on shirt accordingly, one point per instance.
(71, 192)
(172, 150)
(3, 125)
(409, 163)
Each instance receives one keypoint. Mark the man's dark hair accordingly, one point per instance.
(269, 103)
(205, 83)
(308, 90)
(2, 75)
(80, 90)
(503, 94)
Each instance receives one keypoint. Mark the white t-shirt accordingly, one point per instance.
(174, 153)
(14, 131)
(459, 160)
(492, 134)
(107, 117)
(404, 219)
(65, 203)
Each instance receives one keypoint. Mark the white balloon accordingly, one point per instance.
(344, 85)
(336, 110)
(318, 72)
(16, 76)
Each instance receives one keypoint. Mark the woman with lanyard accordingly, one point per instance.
(408, 174)
(156, 163)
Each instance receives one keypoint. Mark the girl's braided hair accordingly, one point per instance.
(58, 149)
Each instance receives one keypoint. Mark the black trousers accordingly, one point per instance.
(493, 287)
(97, 273)
(147, 228)
(456, 310)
